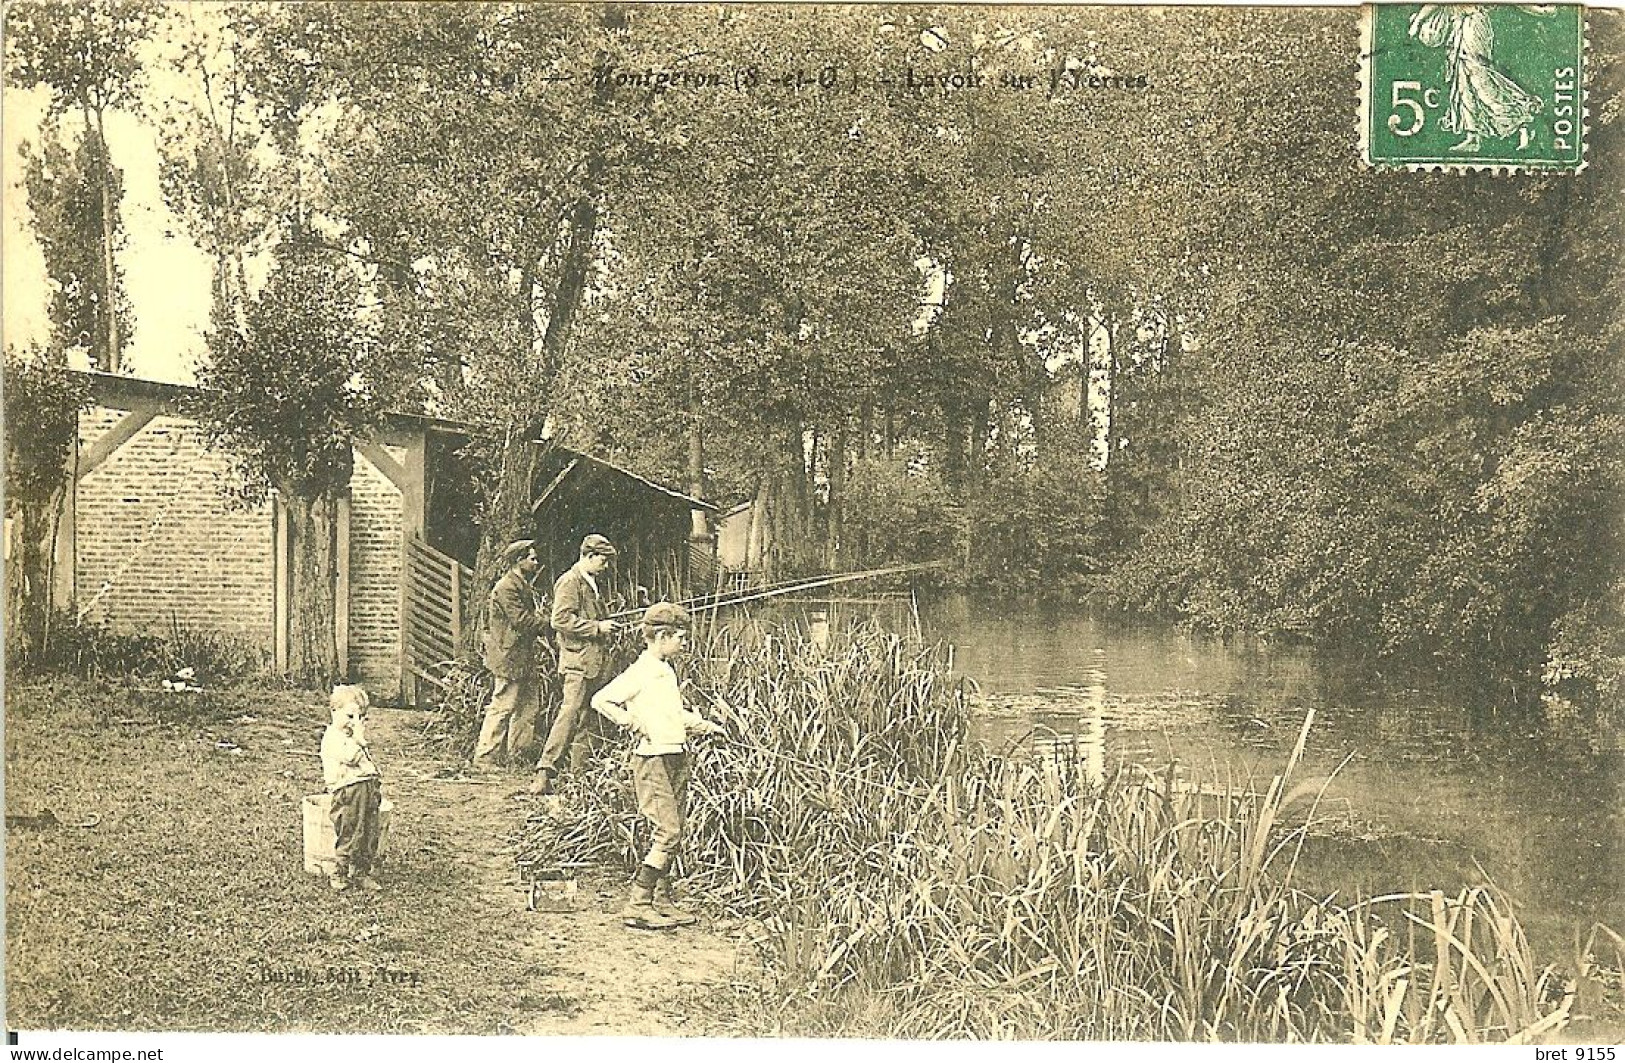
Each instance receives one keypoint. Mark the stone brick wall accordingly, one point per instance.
(376, 515)
(158, 541)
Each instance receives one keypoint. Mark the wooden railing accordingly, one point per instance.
(435, 607)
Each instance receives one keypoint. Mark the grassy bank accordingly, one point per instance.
(165, 889)
(914, 885)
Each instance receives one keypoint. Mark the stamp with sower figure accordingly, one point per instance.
(1473, 87)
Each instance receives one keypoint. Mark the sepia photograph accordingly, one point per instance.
(889, 525)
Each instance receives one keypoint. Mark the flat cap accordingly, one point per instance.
(597, 544)
(665, 614)
(516, 550)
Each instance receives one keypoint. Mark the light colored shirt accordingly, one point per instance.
(647, 699)
(590, 581)
(345, 759)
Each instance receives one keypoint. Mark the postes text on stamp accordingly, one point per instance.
(1473, 86)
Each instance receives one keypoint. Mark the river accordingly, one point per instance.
(1428, 788)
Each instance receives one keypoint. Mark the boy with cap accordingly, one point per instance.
(647, 700)
(581, 621)
(511, 625)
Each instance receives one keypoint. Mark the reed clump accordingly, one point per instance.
(914, 885)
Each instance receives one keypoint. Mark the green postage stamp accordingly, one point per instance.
(1473, 86)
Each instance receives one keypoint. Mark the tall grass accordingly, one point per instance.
(912, 884)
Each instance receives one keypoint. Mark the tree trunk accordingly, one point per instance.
(527, 308)
(313, 655)
(981, 412)
(108, 356)
(837, 495)
(699, 528)
(507, 517)
(757, 537)
(953, 445)
(1112, 376)
(788, 537)
(1083, 424)
(28, 581)
(583, 226)
(812, 538)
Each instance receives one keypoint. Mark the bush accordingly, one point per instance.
(1586, 659)
(92, 649)
(453, 724)
(1032, 530)
(898, 515)
(1037, 530)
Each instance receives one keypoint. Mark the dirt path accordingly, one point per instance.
(592, 974)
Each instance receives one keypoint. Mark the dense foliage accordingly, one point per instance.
(65, 198)
(1126, 319)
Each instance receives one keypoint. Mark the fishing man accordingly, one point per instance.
(580, 618)
(512, 623)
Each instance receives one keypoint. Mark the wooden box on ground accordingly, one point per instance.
(319, 858)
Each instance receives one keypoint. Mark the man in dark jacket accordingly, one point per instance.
(580, 619)
(512, 623)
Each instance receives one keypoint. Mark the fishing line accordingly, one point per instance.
(702, 603)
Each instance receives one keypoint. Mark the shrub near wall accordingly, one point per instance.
(92, 649)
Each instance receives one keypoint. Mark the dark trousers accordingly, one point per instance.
(355, 813)
(572, 720)
(661, 783)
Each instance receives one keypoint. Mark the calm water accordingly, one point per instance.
(1435, 791)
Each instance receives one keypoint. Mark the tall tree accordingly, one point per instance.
(66, 197)
(288, 394)
(474, 176)
(85, 55)
(219, 166)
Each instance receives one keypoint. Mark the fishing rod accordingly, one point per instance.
(707, 602)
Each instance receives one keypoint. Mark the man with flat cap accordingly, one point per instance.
(580, 619)
(512, 623)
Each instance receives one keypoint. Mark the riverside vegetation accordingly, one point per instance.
(912, 884)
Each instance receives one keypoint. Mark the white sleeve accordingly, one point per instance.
(611, 700)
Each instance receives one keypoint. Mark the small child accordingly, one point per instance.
(352, 780)
(646, 699)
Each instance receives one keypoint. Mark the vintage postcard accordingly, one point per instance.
(661, 526)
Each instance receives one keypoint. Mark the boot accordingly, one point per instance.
(639, 913)
(666, 904)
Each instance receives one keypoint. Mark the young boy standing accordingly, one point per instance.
(352, 780)
(646, 699)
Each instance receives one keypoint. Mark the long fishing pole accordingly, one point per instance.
(812, 583)
(702, 602)
(706, 602)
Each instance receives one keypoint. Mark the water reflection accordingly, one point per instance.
(1428, 788)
